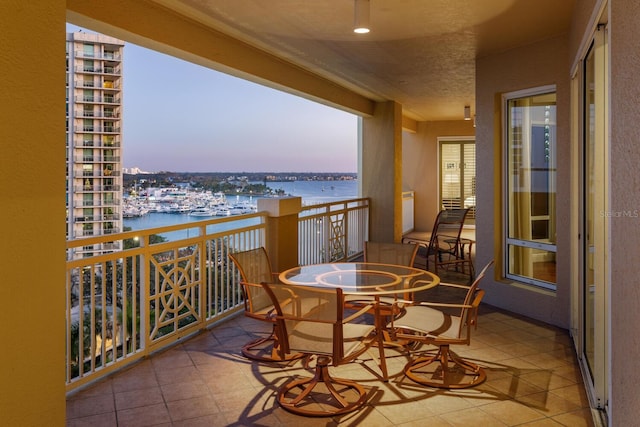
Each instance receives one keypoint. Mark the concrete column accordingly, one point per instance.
(282, 230)
(381, 157)
(32, 218)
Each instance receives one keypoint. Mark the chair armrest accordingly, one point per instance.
(441, 304)
(454, 285)
(303, 318)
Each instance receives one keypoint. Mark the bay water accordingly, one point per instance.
(311, 192)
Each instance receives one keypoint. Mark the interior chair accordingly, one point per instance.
(254, 267)
(445, 246)
(443, 325)
(319, 329)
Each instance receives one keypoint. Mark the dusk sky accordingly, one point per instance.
(182, 117)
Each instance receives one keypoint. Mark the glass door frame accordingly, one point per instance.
(592, 250)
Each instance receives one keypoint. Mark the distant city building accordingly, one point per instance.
(134, 171)
(94, 138)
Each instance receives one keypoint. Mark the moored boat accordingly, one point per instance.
(202, 212)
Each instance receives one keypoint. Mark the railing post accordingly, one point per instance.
(282, 230)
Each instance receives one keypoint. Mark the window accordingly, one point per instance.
(88, 50)
(530, 187)
(87, 66)
(87, 95)
(458, 175)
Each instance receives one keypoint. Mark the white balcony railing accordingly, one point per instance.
(125, 305)
(332, 232)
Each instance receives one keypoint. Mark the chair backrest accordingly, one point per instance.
(391, 253)
(469, 313)
(447, 229)
(254, 265)
(254, 268)
(309, 319)
(450, 222)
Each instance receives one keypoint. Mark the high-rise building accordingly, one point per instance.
(94, 138)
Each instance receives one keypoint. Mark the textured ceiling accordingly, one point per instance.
(420, 53)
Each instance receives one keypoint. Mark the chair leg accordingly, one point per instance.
(450, 372)
(333, 401)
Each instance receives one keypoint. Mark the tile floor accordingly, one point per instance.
(532, 380)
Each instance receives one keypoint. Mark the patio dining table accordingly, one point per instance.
(368, 280)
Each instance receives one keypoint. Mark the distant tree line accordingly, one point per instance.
(228, 183)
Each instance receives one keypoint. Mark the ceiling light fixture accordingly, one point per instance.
(361, 17)
(467, 112)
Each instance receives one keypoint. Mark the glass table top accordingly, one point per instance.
(362, 278)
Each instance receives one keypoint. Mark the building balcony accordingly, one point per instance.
(97, 114)
(109, 85)
(96, 232)
(89, 188)
(96, 203)
(97, 129)
(97, 218)
(113, 230)
(110, 56)
(184, 366)
(99, 70)
(96, 159)
(96, 144)
(98, 100)
(104, 173)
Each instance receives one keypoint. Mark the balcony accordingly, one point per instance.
(105, 173)
(98, 114)
(90, 188)
(97, 99)
(96, 159)
(98, 70)
(96, 144)
(106, 55)
(183, 364)
(97, 218)
(96, 203)
(97, 129)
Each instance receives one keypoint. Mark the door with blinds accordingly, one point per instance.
(458, 175)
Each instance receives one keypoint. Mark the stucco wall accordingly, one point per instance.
(32, 184)
(539, 64)
(420, 165)
(625, 197)
(381, 171)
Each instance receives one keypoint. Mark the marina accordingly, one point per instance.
(158, 207)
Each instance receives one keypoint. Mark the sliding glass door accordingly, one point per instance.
(594, 226)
